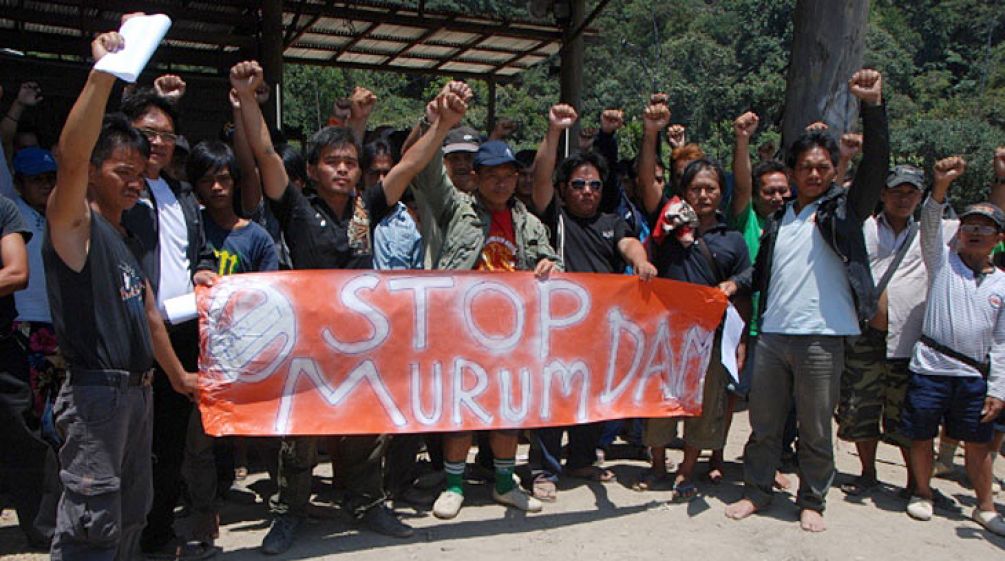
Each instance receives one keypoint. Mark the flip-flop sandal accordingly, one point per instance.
(593, 473)
(684, 491)
(653, 482)
(544, 489)
(859, 486)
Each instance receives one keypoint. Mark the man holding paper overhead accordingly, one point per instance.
(108, 327)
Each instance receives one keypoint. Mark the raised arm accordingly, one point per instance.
(606, 144)
(743, 129)
(361, 104)
(561, 117)
(654, 119)
(933, 246)
(850, 144)
(28, 95)
(251, 181)
(997, 196)
(450, 111)
(867, 85)
(67, 211)
(245, 77)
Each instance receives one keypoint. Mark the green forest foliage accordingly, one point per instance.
(944, 64)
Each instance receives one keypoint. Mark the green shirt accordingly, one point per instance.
(751, 225)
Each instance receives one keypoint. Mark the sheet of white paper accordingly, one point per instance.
(732, 331)
(181, 308)
(142, 35)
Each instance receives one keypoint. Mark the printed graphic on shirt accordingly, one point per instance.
(228, 261)
(359, 230)
(499, 252)
(131, 291)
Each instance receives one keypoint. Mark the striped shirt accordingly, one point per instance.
(963, 314)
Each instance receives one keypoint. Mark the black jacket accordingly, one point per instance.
(142, 221)
(839, 220)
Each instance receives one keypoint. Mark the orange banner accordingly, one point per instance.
(365, 352)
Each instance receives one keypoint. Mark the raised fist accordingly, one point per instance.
(30, 94)
(817, 126)
(867, 85)
(676, 135)
(586, 136)
(745, 125)
(999, 161)
(106, 43)
(245, 77)
(851, 144)
(170, 87)
(451, 109)
(659, 98)
(460, 89)
(611, 120)
(342, 109)
(656, 117)
(949, 169)
(504, 128)
(562, 117)
(361, 103)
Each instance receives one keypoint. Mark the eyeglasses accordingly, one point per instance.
(978, 229)
(580, 184)
(164, 136)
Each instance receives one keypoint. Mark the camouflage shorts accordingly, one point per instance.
(872, 391)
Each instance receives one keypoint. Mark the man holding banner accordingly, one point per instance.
(488, 230)
(332, 230)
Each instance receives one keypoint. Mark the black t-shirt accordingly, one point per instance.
(318, 239)
(11, 222)
(689, 264)
(99, 314)
(588, 245)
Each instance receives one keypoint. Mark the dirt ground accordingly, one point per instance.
(611, 521)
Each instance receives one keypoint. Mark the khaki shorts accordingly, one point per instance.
(707, 431)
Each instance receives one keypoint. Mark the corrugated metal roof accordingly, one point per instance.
(363, 33)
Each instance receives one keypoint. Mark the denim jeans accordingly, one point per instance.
(805, 369)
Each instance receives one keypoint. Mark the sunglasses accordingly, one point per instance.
(580, 184)
(164, 136)
(978, 229)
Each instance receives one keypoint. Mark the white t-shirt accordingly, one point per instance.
(172, 237)
(809, 292)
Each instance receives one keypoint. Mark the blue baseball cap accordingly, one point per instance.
(34, 161)
(494, 153)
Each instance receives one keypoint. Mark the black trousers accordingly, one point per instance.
(171, 415)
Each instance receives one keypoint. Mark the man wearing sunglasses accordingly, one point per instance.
(958, 364)
(588, 241)
(169, 225)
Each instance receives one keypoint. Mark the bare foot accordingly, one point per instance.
(781, 481)
(740, 509)
(812, 521)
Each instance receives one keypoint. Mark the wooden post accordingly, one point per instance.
(271, 57)
(491, 119)
(571, 76)
(827, 48)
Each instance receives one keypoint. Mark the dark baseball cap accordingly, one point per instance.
(526, 157)
(987, 210)
(461, 139)
(910, 175)
(34, 161)
(494, 153)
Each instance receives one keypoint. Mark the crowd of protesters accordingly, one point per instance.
(870, 304)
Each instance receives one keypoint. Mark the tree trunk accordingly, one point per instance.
(827, 47)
